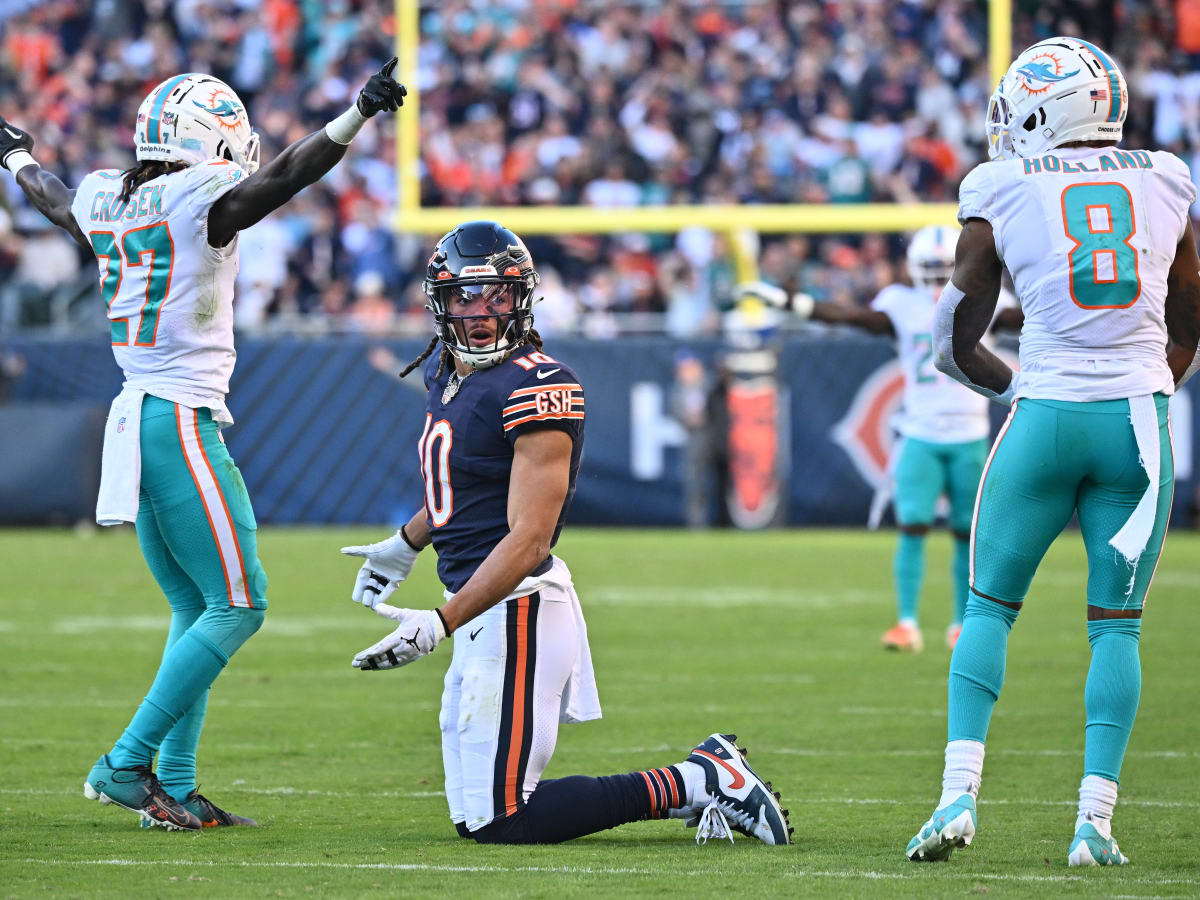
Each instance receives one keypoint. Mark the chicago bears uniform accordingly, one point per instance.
(164, 234)
(1089, 233)
(532, 641)
(521, 662)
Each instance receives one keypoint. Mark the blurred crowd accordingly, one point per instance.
(548, 102)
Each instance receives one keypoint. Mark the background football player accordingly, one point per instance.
(499, 455)
(165, 235)
(1101, 251)
(944, 429)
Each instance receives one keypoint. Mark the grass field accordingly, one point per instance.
(772, 636)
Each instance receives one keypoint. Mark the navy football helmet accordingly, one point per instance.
(481, 261)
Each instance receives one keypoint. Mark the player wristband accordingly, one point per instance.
(343, 129)
(19, 159)
(404, 536)
(445, 627)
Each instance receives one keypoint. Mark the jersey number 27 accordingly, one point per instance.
(1098, 218)
(154, 240)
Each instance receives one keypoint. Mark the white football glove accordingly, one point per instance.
(388, 563)
(800, 304)
(420, 631)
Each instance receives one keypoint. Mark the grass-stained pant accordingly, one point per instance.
(1052, 460)
(198, 534)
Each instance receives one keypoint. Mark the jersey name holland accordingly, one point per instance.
(466, 452)
(1088, 235)
(936, 408)
(169, 294)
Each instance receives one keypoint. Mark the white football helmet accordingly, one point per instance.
(1059, 90)
(931, 255)
(191, 118)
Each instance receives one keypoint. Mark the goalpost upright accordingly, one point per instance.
(737, 222)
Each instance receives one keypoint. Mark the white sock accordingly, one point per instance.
(1097, 797)
(963, 772)
(693, 783)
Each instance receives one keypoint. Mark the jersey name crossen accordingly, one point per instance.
(109, 207)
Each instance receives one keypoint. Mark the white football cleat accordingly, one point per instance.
(951, 826)
(1091, 848)
(735, 797)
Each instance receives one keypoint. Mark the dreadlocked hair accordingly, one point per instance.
(532, 338)
(146, 170)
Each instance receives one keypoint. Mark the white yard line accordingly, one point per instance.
(287, 791)
(595, 870)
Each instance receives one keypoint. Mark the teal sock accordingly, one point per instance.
(187, 671)
(909, 566)
(1114, 685)
(977, 668)
(961, 577)
(176, 767)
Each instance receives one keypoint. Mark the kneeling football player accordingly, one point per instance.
(499, 454)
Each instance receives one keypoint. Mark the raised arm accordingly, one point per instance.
(303, 162)
(45, 191)
(1183, 309)
(871, 320)
(964, 313)
(805, 307)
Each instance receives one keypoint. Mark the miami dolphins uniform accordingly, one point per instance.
(944, 430)
(1088, 235)
(170, 307)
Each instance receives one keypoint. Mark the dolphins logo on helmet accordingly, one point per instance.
(191, 118)
(1037, 72)
(1060, 90)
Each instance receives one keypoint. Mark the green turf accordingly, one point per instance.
(773, 636)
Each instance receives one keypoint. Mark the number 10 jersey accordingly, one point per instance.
(1088, 235)
(169, 295)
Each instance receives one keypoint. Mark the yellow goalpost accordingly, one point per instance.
(733, 220)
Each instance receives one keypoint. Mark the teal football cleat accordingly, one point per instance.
(137, 789)
(735, 797)
(1091, 848)
(951, 826)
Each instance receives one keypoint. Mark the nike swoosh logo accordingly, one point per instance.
(738, 780)
(476, 632)
(542, 374)
(16, 135)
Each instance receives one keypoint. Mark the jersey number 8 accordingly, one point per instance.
(1098, 218)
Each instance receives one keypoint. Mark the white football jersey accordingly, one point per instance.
(1088, 235)
(936, 408)
(169, 294)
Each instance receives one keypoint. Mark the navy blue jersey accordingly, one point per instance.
(466, 451)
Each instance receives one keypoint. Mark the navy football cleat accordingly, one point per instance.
(736, 796)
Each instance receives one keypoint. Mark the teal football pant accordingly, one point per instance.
(197, 531)
(1054, 459)
(924, 472)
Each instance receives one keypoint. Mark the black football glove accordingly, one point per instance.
(382, 92)
(13, 139)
